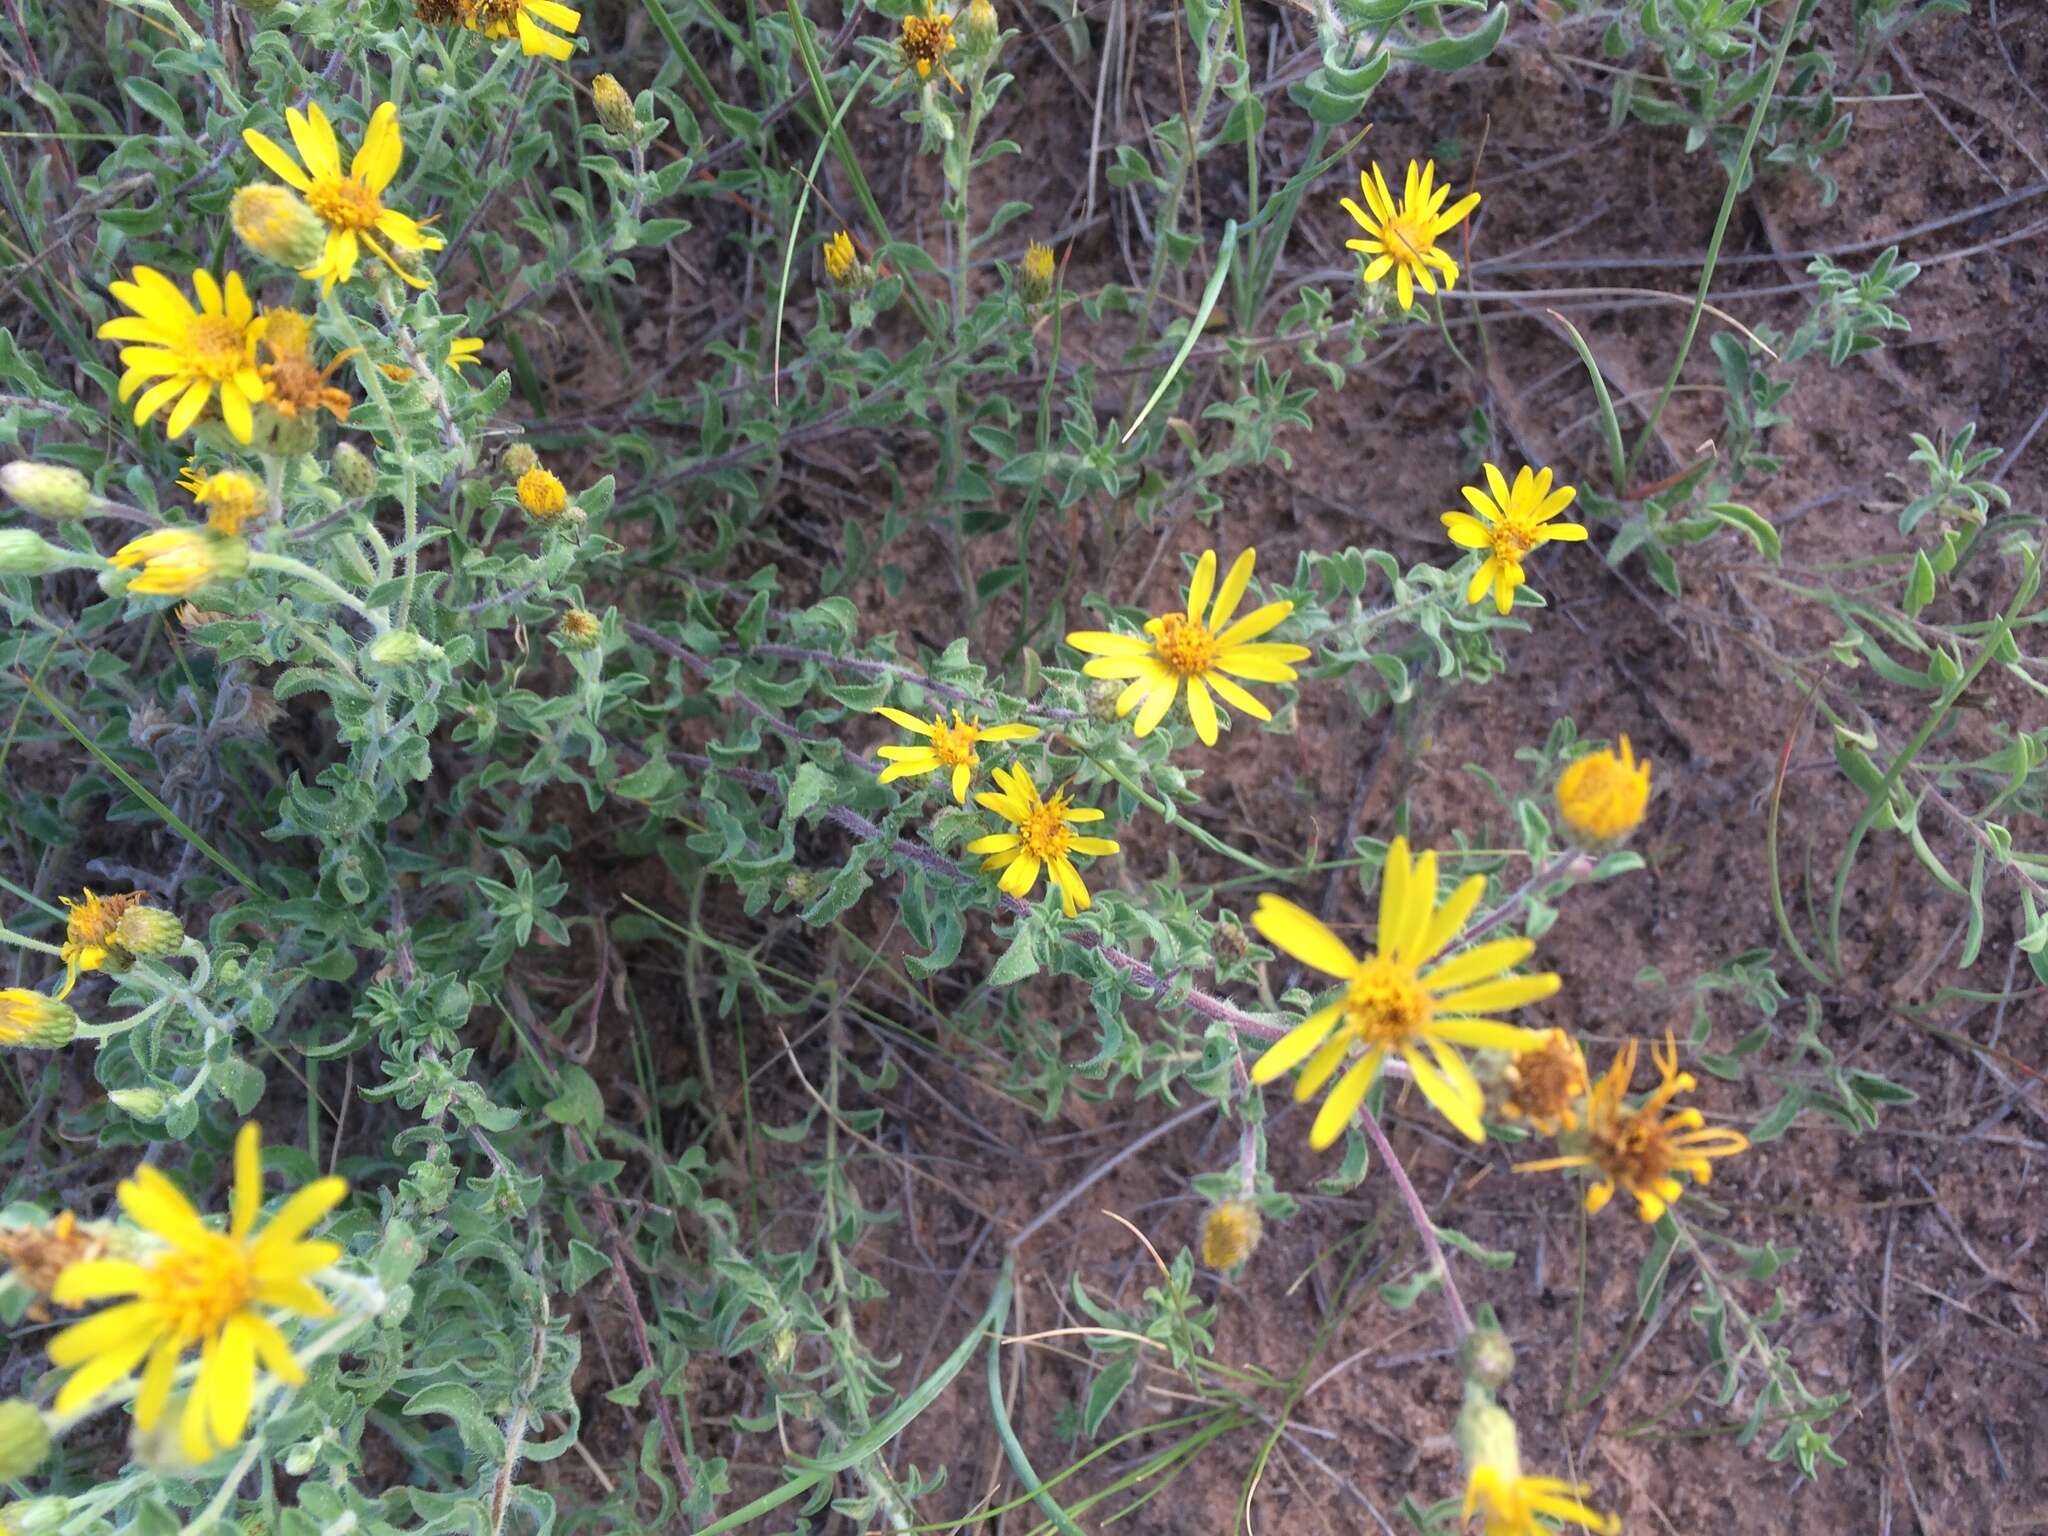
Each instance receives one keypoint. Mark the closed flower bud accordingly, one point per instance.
(275, 222)
(55, 491)
(24, 1439)
(142, 1103)
(844, 266)
(1230, 1234)
(1034, 273)
(803, 886)
(402, 648)
(1488, 1357)
(176, 562)
(23, 553)
(1102, 699)
(580, 630)
(516, 460)
(614, 107)
(147, 932)
(980, 27)
(353, 473)
(34, 1021)
(542, 495)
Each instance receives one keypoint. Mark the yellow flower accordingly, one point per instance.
(840, 259)
(1045, 836)
(89, 925)
(500, 19)
(1510, 1504)
(1403, 239)
(351, 205)
(1186, 647)
(1602, 796)
(1392, 1005)
(1035, 274)
(296, 385)
(232, 499)
(189, 352)
(925, 42)
(951, 747)
(580, 629)
(1516, 520)
(1641, 1149)
(176, 562)
(33, 1021)
(463, 351)
(542, 495)
(203, 1289)
(1545, 1085)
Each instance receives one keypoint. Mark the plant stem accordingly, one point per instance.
(1454, 1304)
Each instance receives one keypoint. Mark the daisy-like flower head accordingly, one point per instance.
(926, 42)
(1512, 521)
(190, 352)
(1035, 273)
(1641, 1150)
(948, 747)
(1402, 238)
(1198, 649)
(89, 925)
(31, 1021)
(176, 562)
(1509, 1503)
(1546, 1085)
(1602, 796)
(351, 205)
(205, 1288)
(232, 499)
(542, 494)
(500, 19)
(1045, 837)
(1396, 1003)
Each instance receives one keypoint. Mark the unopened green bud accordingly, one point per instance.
(147, 932)
(275, 222)
(34, 1021)
(402, 648)
(1489, 1358)
(980, 27)
(803, 886)
(516, 460)
(353, 472)
(1102, 699)
(290, 437)
(23, 553)
(615, 107)
(142, 1103)
(55, 491)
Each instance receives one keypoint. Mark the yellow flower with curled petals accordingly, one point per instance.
(1642, 1150)
(193, 353)
(350, 204)
(1045, 839)
(463, 351)
(948, 747)
(1205, 650)
(89, 925)
(500, 19)
(205, 1289)
(1509, 1503)
(232, 499)
(1512, 522)
(1396, 1003)
(1401, 238)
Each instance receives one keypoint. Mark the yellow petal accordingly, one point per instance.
(1157, 702)
(1286, 1053)
(301, 1213)
(1203, 584)
(1254, 624)
(1478, 963)
(1235, 696)
(97, 1280)
(112, 1330)
(1341, 1107)
(103, 1370)
(157, 1377)
(151, 1200)
(1202, 711)
(280, 164)
(248, 1196)
(228, 1381)
(1300, 933)
(1462, 1114)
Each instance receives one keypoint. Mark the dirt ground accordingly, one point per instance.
(1920, 1286)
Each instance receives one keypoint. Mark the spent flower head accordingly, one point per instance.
(192, 353)
(1230, 1234)
(1602, 796)
(947, 748)
(1401, 238)
(1513, 521)
(1395, 1002)
(1035, 273)
(925, 43)
(1545, 1086)
(1201, 647)
(1045, 838)
(202, 1288)
(89, 927)
(294, 385)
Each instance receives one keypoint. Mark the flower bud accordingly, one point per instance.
(979, 27)
(844, 266)
(352, 471)
(1228, 944)
(34, 1021)
(1488, 1357)
(1230, 1234)
(516, 460)
(24, 1439)
(1486, 1437)
(580, 630)
(402, 648)
(1102, 697)
(176, 562)
(55, 491)
(275, 222)
(803, 886)
(1035, 273)
(142, 1103)
(23, 553)
(147, 932)
(614, 107)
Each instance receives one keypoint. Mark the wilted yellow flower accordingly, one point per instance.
(205, 1288)
(949, 747)
(1230, 1234)
(89, 925)
(176, 562)
(1602, 795)
(1034, 274)
(31, 1021)
(1545, 1085)
(500, 19)
(36, 1256)
(275, 222)
(232, 499)
(1513, 521)
(1403, 238)
(1508, 1503)
(1640, 1150)
(1188, 648)
(190, 352)
(840, 259)
(543, 496)
(1045, 836)
(926, 41)
(295, 385)
(351, 205)
(1391, 1005)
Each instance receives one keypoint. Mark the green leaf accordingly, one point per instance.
(1019, 961)
(1747, 520)
(1451, 53)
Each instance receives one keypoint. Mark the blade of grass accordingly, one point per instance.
(1202, 311)
(1610, 424)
